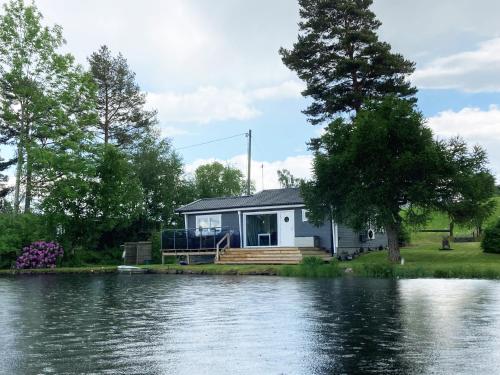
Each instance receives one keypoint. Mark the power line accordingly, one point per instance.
(212, 141)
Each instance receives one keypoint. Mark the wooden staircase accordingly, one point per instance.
(266, 255)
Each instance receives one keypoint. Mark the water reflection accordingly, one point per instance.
(159, 324)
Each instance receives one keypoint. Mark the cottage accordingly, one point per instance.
(268, 227)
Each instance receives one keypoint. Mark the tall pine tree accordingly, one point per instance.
(122, 117)
(342, 61)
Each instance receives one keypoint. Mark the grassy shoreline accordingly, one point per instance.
(423, 260)
(199, 269)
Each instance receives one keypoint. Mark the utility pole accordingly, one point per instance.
(262, 166)
(249, 153)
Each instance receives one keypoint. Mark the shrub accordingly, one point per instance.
(312, 261)
(491, 239)
(17, 231)
(40, 254)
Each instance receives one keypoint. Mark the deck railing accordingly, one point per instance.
(198, 238)
(222, 246)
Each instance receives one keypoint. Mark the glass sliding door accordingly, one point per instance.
(261, 229)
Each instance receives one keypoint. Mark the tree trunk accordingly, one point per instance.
(29, 182)
(106, 133)
(19, 166)
(393, 240)
(452, 227)
(106, 118)
(20, 162)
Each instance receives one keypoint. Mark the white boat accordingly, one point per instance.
(131, 269)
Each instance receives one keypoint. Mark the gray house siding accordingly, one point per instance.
(349, 240)
(302, 229)
(306, 229)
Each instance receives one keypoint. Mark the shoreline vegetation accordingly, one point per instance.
(423, 260)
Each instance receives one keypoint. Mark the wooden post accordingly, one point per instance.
(249, 156)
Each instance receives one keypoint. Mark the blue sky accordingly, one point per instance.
(212, 70)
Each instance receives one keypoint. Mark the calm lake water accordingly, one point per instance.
(161, 324)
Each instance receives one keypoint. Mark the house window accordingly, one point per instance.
(304, 215)
(208, 224)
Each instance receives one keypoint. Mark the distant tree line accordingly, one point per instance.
(91, 168)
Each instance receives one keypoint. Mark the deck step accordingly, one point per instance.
(266, 255)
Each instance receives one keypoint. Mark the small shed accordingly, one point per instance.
(137, 253)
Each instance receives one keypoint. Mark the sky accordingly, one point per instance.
(212, 70)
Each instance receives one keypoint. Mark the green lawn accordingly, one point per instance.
(424, 259)
(440, 221)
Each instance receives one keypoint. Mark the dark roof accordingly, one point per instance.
(274, 197)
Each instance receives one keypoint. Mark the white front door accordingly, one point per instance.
(286, 228)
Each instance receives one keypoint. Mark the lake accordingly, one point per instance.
(167, 324)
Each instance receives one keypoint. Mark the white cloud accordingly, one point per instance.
(471, 123)
(474, 71)
(172, 131)
(208, 104)
(287, 89)
(182, 44)
(476, 126)
(436, 28)
(299, 166)
(202, 106)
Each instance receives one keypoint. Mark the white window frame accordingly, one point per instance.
(304, 215)
(215, 217)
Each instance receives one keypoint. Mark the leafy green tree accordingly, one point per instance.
(469, 194)
(383, 161)
(216, 180)
(69, 205)
(117, 193)
(159, 170)
(120, 103)
(481, 213)
(342, 61)
(287, 180)
(44, 97)
(96, 205)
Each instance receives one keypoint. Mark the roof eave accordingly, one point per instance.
(241, 208)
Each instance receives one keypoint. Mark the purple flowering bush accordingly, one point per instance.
(40, 254)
